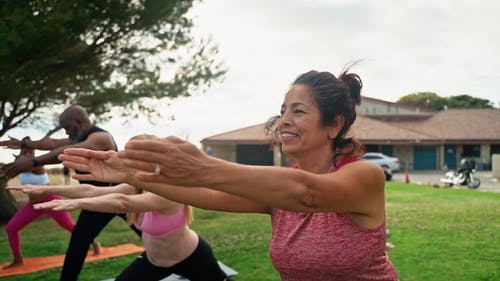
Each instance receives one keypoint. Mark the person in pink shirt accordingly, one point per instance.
(327, 211)
(170, 246)
(27, 214)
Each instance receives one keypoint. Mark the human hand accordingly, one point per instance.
(29, 189)
(169, 160)
(59, 205)
(101, 165)
(12, 143)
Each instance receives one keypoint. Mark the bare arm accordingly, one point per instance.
(96, 141)
(47, 143)
(43, 144)
(106, 166)
(74, 191)
(355, 188)
(203, 198)
(114, 203)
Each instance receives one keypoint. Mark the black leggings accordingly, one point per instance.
(201, 265)
(88, 226)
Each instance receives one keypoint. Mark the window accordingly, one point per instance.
(371, 157)
(472, 150)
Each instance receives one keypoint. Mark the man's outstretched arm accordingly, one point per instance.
(96, 141)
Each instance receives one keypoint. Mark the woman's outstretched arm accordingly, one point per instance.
(75, 190)
(107, 166)
(113, 203)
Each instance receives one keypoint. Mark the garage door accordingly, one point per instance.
(424, 157)
(450, 156)
(254, 154)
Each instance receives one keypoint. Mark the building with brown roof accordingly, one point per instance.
(422, 140)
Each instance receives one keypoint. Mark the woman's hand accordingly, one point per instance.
(59, 205)
(101, 165)
(170, 160)
(32, 190)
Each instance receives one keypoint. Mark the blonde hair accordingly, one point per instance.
(144, 137)
(132, 216)
(188, 214)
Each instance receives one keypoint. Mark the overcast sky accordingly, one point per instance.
(449, 47)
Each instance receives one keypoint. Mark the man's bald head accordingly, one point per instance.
(74, 112)
(75, 122)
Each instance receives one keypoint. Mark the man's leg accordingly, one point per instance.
(88, 226)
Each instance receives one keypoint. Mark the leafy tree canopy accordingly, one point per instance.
(433, 101)
(100, 54)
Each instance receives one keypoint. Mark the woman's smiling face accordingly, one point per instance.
(300, 127)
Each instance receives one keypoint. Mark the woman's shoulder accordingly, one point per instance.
(371, 174)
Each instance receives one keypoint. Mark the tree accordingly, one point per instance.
(433, 101)
(423, 99)
(100, 54)
(466, 101)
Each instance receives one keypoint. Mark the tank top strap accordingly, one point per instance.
(344, 160)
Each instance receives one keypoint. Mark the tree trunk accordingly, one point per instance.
(7, 203)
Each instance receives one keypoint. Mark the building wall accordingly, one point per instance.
(403, 152)
(483, 162)
(369, 107)
(405, 155)
(255, 154)
(222, 151)
(277, 155)
(485, 157)
(440, 157)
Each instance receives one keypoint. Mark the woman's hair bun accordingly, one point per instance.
(354, 83)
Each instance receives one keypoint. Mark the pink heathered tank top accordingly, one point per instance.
(155, 224)
(328, 246)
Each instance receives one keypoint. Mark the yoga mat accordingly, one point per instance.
(41, 263)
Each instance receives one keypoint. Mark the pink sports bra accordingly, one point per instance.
(155, 224)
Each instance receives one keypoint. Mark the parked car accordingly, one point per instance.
(389, 164)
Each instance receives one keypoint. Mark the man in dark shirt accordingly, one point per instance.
(81, 134)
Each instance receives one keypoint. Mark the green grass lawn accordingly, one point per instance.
(439, 234)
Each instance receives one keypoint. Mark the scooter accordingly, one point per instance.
(461, 177)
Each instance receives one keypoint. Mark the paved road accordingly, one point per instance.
(488, 183)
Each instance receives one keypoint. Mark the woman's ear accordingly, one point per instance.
(337, 125)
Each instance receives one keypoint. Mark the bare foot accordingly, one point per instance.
(97, 248)
(389, 246)
(14, 264)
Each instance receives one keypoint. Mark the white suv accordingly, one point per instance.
(388, 164)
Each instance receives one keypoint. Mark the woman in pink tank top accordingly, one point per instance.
(327, 212)
(170, 246)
